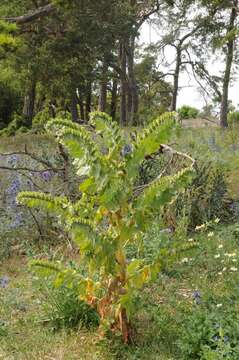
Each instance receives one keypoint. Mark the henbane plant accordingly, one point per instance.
(109, 216)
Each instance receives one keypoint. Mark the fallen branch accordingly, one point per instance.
(173, 151)
(8, 168)
(34, 157)
(164, 148)
(32, 15)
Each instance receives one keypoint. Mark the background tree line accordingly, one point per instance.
(78, 56)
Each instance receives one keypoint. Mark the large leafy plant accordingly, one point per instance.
(110, 214)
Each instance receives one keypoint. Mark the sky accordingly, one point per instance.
(189, 93)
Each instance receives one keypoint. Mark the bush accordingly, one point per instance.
(188, 112)
(205, 199)
(233, 118)
(40, 120)
(14, 126)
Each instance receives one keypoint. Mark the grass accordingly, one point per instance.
(159, 323)
(165, 307)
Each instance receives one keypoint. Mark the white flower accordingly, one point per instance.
(219, 305)
(220, 273)
(233, 269)
(184, 261)
(190, 240)
(220, 246)
(199, 227)
(211, 234)
(217, 256)
(231, 255)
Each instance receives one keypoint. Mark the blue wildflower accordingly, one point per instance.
(216, 338)
(46, 175)
(14, 188)
(13, 159)
(226, 339)
(197, 297)
(127, 149)
(4, 281)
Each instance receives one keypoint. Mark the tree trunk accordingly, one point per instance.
(81, 104)
(29, 104)
(73, 107)
(176, 79)
(133, 88)
(227, 74)
(123, 85)
(88, 99)
(103, 87)
(114, 99)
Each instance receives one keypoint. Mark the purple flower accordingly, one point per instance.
(46, 175)
(226, 339)
(17, 221)
(13, 159)
(4, 281)
(127, 149)
(14, 187)
(197, 297)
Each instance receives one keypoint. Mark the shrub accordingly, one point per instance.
(41, 119)
(188, 112)
(233, 118)
(13, 127)
(205, 199)
(109, 217)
